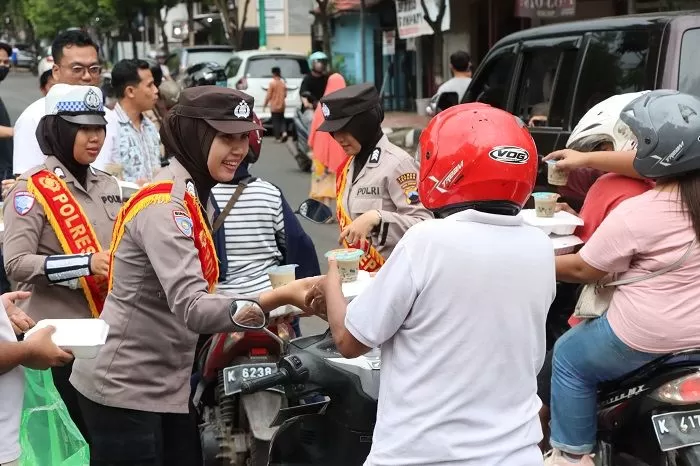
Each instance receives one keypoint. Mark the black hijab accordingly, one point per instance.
(189, 140)
(366, 127)
(56, 137)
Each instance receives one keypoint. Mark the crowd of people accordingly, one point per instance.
(457, 270)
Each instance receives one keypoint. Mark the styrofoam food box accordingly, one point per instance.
(565, 244)
(82, 337)
(563, 223)
(353, 289)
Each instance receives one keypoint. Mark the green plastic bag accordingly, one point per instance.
(48, 436)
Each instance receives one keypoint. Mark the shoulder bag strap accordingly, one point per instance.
(668, 268)
(231, 202)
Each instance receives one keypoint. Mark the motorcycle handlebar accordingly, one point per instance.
(263, 383)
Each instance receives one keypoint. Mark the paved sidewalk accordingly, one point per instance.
(404, 120)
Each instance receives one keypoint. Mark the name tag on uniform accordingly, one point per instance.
(369, 191)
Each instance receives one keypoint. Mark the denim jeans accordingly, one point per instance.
(584, 356)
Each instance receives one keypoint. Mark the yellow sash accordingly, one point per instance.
(160, 193)
(72, 227)
(372, 261)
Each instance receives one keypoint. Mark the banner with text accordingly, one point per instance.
(544, 8)
(411, 21)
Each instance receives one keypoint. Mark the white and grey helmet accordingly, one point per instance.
(602, 124)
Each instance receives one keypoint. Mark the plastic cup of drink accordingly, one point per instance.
(545, 204)
(282, 274)
(556, 176)
(348, 262)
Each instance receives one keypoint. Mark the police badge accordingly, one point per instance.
(92, 101)
(24, 201)
(242, 110)
(326, 111)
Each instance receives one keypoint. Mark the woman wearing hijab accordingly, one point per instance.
(134, 395)
(59, 217)
(377, 187)
(328, 156)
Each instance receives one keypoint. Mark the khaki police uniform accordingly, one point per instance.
(388, 182)
(29, 238)
(158, 305)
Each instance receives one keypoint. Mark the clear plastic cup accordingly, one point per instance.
(545, 204)
(348, 262)
(556, 176)
(282, 274)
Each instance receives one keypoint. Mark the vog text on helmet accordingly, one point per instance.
(509, 154)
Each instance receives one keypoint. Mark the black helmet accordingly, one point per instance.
(667, 127)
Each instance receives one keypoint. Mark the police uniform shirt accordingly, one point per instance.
(29, 238)
(388, 182)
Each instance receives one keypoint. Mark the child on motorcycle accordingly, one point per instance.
(459, 308)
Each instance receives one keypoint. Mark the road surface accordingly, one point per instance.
(276, 165)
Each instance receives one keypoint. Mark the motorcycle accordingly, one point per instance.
(234, 427)
(299, 147)
(651, 417)
(205, 74)
(332, 404)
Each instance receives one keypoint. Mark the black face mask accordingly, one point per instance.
(3, 72)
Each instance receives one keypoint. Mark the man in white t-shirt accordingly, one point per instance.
(76, 62)
(460, 65)
(459, 309)
(37, 352)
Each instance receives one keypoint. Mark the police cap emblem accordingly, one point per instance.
(326, 111)
(92, 100)
(242, 110)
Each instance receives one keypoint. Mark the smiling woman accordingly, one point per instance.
(162, 276)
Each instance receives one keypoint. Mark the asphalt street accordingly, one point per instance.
(276, 165)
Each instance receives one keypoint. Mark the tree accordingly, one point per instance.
(162, 7)
(190, 21)
(325, 8)
(232, 21)
(436, 26)
(51, 16)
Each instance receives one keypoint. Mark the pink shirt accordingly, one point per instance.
(643, 234)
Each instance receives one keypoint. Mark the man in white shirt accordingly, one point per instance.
(459, 309)
(460, 65)
(76, 62)
(37, 352)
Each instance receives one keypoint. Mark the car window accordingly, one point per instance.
(233, 66)
(545, 82)
(689, 71)
(291, 67)
(207, 56)
(492, 84)
(615, 63)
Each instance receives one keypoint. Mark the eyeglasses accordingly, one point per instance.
(79, 70)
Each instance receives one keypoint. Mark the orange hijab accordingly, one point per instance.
(325, 149)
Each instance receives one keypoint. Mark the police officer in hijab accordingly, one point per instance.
(377, 187)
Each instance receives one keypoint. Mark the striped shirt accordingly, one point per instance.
(254, 235)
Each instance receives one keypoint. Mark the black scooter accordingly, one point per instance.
(332, 404)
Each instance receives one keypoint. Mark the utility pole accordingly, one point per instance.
(262, 27)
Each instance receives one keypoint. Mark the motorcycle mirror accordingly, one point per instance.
(247, 314)
(315, 211)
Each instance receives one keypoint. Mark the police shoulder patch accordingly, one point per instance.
(23, 201)
(183, 223)
(189, 185)
(58, 171)
(409, 185)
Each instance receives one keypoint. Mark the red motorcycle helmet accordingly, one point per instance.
(474, 155)
(255, 139)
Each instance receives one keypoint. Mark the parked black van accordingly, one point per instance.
(551, 75)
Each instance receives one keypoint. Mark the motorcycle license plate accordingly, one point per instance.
(234, 376)
(677, 430)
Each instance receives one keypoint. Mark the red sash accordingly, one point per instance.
(72, 227)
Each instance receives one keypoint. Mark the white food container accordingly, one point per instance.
(353, 289)
(563, 223)
(565, 244)
(82, 337)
